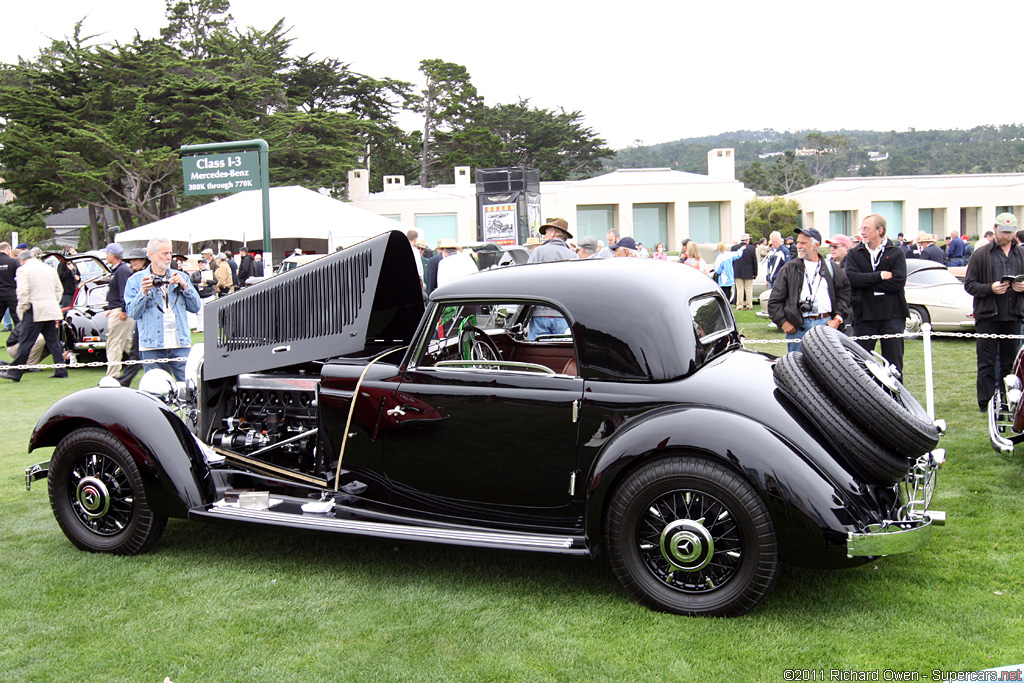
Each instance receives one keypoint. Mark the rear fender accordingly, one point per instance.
(811, 512)
(174, 472)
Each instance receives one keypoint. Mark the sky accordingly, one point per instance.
(649, 71)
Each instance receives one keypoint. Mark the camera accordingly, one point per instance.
(160, 280)
(806, 306)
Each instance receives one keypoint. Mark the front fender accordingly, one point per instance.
(173, 469)
(812, 505)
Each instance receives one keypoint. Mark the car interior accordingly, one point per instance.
(495, 336)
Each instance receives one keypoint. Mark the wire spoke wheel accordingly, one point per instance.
(101, 494)
(691, 536)
(97, 495)
(690, 541)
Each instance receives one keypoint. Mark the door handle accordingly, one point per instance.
(396, 411)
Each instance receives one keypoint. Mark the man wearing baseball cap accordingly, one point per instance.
(840, 246)
(744, 269)
(998, 304)
(120, 328)
(808, 291)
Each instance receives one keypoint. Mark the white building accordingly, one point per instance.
(650, 204)
(938, 204)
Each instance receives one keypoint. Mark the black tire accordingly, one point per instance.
(862, 453)
(670, 561)
(479, 345)
(918, 316)
(97, 496)
(863, 387)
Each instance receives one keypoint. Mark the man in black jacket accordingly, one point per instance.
(808, 291)
(8, 285)
(998, 305)
(877, 269)
(744, 269)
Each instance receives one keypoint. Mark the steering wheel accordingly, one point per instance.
(476, 345)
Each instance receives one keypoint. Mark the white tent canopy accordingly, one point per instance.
(297, 216)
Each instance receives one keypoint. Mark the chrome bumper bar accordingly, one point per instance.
(911, 528)
(1001, 434)
(35, 473)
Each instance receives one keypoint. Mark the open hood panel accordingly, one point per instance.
(332, 307)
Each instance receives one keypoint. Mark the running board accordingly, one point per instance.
(573, 545)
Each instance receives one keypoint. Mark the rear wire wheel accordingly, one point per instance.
(690, 536)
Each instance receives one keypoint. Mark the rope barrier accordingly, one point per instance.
(916, 335)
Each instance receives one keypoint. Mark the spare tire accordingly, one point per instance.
(868, 389)
(865, 457)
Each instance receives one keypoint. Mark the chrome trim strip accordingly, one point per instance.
(481, 538)
(263, 381)
(498, 365)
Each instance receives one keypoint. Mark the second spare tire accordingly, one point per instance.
(863, 386)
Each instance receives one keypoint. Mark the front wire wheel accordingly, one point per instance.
(97, 496)
(690, 536)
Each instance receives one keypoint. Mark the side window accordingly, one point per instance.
(497, 336)
(712, 325)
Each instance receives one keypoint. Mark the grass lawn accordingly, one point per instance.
(213, 603)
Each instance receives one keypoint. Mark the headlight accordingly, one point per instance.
(159, 383)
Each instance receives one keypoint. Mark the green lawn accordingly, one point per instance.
(213, 603)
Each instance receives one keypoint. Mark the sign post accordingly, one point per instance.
(228, 167)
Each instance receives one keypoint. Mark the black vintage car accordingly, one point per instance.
(331, 399)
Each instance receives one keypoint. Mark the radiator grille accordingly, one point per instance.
(318, 300)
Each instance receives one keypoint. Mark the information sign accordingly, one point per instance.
(221, 173)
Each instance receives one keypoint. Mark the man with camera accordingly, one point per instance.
(995, 278)
(159, 298)
(808, 291)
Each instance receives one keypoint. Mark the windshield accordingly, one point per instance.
(932, 276)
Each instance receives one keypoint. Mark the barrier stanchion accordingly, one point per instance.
(929, 381)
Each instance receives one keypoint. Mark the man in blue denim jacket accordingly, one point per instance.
(160, 311)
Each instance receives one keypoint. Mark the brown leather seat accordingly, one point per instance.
(570, 368)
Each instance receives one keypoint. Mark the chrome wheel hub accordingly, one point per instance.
(884, 373)
(690, 541)
(686, 545)
(100, 494)
(93, 496)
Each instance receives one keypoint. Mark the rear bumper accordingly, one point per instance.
(1002, 409)
(911, 526)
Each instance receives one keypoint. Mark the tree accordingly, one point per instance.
(192, 23)
(786, 174)
(448, 103)
(827, 150)
(762, 216)
(30, 226)
(554, 142)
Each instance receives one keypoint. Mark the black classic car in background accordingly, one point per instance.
(331, 399)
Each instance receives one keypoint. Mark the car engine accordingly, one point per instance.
(272, 417)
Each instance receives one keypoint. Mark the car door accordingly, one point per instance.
(490, 436)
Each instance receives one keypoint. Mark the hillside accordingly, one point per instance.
(985, 149)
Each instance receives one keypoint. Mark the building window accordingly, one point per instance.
(392, 216)
(436, 226)
(926, 220)
(650, 223)
(893, 212)
(840, 222)
(594, 220)
(705, 222)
